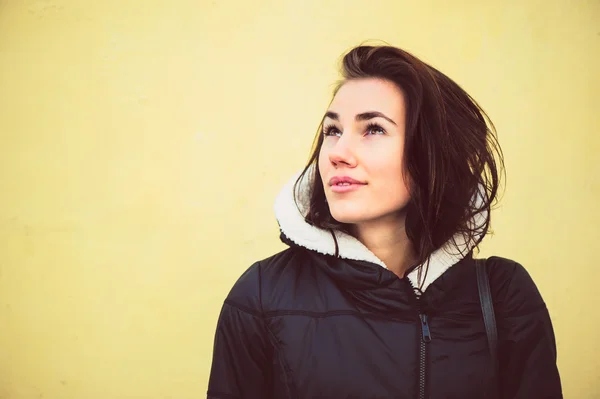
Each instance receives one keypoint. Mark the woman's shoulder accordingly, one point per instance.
(264, 277)
(513, 289)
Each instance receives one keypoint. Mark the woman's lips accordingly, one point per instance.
(344, 188)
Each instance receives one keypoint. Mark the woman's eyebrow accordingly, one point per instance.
(359, 117)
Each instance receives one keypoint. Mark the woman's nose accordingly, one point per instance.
(342, 153)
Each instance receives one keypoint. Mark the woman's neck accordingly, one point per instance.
(387, 239)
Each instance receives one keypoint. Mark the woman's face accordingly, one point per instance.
(364, 140)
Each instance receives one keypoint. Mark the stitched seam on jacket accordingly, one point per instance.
(244, 308)
(287, 371)
(266, 328)
(333, 313)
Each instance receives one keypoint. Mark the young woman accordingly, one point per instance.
(377, 295)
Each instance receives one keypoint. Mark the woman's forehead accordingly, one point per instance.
(366, 95)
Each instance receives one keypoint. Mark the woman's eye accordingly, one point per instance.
(330, 131)
(376, 129)
(372, 129)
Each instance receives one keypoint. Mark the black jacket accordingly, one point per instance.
(305, 323)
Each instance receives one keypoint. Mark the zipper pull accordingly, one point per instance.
(425, 328)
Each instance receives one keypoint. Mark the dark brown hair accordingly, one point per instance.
(450, 150)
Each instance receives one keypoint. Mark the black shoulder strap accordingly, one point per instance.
(487, 307)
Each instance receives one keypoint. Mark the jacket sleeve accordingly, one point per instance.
(241, 355)
(527, 347)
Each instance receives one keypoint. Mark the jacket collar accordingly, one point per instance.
(292, 224)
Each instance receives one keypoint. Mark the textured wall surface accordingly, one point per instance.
(142, 144)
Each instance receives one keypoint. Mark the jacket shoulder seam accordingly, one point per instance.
(243, 308)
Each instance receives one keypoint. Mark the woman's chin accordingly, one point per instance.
(348, 217)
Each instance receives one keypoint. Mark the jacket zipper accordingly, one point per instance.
(425, 339)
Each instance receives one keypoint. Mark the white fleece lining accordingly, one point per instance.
(292, 224)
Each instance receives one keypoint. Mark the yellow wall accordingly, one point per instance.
(142, 143)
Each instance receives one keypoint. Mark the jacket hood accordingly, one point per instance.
(294, 227)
